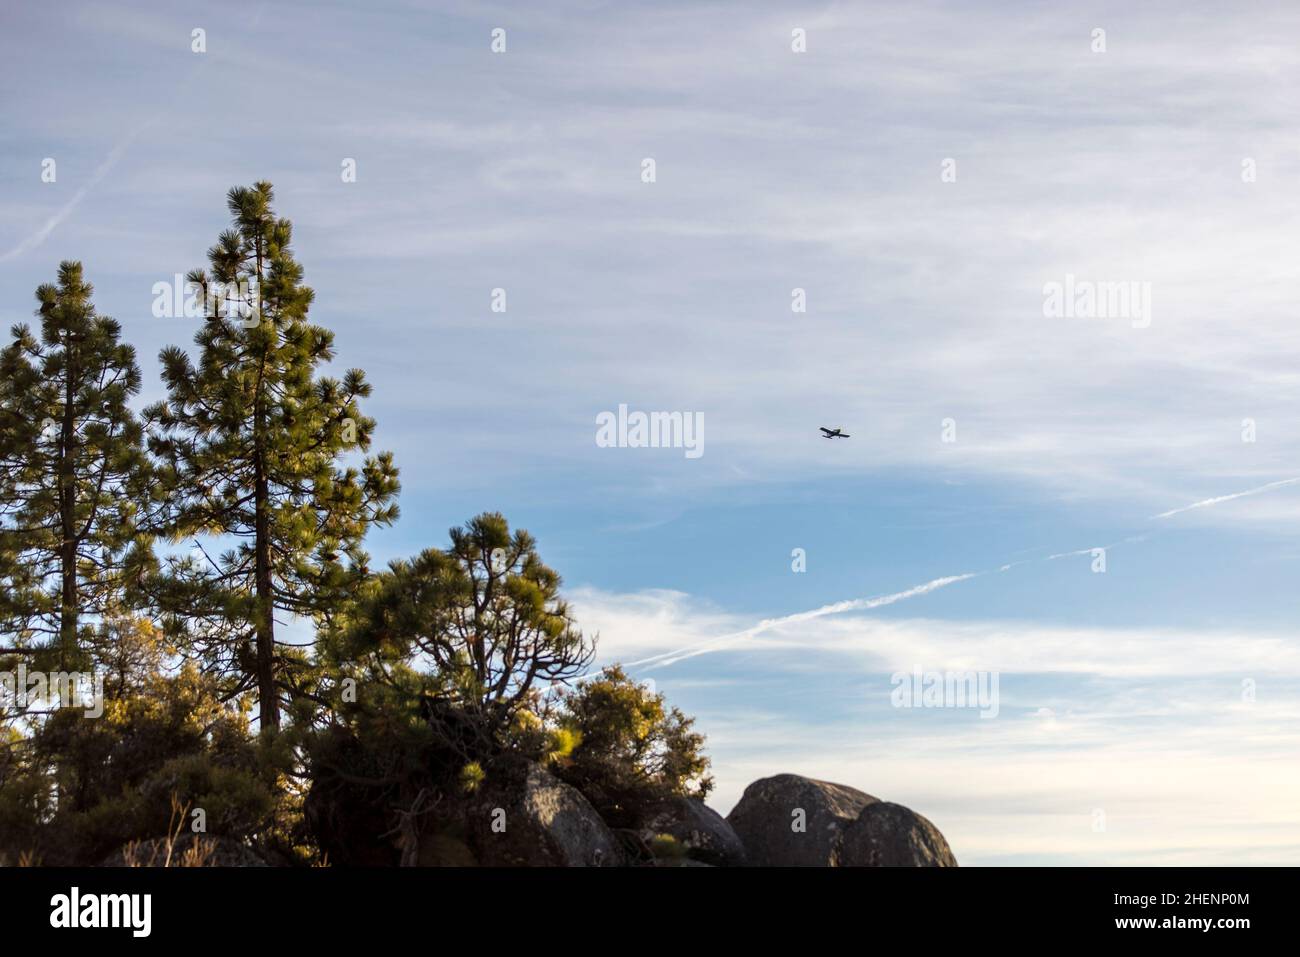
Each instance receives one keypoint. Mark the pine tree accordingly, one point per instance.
(73, 471)
(251, 440)
(486, 614)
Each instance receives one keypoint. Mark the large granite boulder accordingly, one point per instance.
(531, 819)
(702, 834)
(441, 849)
(890, 835)
(792, 821)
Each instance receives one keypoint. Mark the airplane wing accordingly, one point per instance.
(826, 430)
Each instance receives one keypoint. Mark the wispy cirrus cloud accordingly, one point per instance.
(633, 627)
(776, 171)
(1109, 725)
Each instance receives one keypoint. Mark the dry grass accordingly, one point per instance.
(171, 852)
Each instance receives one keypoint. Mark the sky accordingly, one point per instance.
(924, 175)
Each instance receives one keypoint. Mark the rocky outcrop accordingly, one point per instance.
(793, 821)
(532, 819)
(890, 835)
(702, 834)
(440, 849)
(521, 815)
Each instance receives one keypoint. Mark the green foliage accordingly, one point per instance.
(634, 749)
(251, 440)
(73, 474)
(79, 788)
(485, 614)
(561, 743)
(459, 660)
(665, 847)
(430, 681)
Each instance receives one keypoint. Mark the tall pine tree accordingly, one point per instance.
(73, 472)
(251, 440)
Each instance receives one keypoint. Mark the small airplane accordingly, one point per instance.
(833, 433)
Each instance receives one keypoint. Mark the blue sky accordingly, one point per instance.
(1121, 692)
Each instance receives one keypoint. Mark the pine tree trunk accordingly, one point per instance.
(268, 703)
(68, 519)
(268, 709)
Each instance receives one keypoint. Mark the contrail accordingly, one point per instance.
(1081, 551)
(1204, 503)
(667, 658)
(38, 237)
(853, 604)
(1077, 551)
(102, 170)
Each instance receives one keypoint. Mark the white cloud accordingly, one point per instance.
(777, 170)
(666, 625)
(1148, 725)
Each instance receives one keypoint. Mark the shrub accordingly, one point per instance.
(633, 749)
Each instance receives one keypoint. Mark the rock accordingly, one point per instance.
(532, 819)
(765, 820)
(683, 862)
(702, 833)
(188, 850)
(444, 850)
(890, 835)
